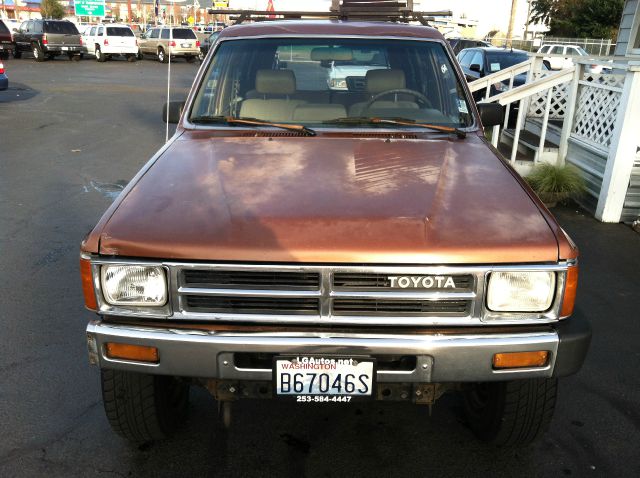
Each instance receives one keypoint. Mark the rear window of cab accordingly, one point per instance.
(179, 34)
(62, 27)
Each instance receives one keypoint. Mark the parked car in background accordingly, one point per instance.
(479, 62)
(12, 25)
(6, 44)
(348, 70)
(107, 41)
(206, 43)
(4, 80)
(569, 52)
(174, 41)
(459, 44)
(47, 39)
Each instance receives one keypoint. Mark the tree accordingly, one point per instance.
(578, 18)
(52, 9)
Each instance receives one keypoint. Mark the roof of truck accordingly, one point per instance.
(330, 27)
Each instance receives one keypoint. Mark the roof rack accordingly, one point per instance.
(375, 10)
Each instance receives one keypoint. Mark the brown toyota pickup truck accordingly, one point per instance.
(297, 242)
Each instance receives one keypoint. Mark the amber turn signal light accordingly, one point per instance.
(87, 284)
(520, 359)
(570, 289)
(137, 353)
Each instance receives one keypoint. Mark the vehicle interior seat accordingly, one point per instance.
(318, 112)
(378, 81)
(275, 88)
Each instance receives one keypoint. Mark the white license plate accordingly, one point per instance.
(186, 45)
(315, 377)
(64, 48)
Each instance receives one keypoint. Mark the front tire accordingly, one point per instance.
(142, 407)
(513, 413)
(131, 58)
(17, 54)
(162, 56)
(37, 52)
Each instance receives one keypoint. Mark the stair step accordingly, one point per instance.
(505, 150)
(531, 140)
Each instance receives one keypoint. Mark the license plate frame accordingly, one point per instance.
(185, 45)
(365, 364)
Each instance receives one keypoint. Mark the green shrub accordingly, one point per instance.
(556, 183)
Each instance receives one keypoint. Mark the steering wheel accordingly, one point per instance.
(406, 91)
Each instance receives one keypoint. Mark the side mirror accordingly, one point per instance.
(490, 114)
(15, 30)
(174, 111)
(475, 67)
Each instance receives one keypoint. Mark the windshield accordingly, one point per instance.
(500, 61)
(292, 81)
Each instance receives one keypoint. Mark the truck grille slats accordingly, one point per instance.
(252, 279)
(252, 305)
(400, 307)
(314, 294)
(359, 281)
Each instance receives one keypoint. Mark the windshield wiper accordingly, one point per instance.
(253, 122)
(399, 121)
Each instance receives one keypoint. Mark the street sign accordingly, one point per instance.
(222, 4)
(89, 8)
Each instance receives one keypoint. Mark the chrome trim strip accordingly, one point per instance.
(249, 292)
(456, 357)
(402, 294)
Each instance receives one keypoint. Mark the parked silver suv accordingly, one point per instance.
(174, 41)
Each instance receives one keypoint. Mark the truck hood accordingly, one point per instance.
(326, 199)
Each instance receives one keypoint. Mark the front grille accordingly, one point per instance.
(221, 279)
(400, 308)
(252, 305)
(331, 295)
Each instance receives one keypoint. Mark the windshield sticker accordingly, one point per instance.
(495, 66)
(444, 69)
(462, 107)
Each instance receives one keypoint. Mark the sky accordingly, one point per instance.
(491, 14)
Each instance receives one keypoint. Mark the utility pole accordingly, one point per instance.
(512, 19)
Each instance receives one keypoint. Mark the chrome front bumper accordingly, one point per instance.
(454, 357)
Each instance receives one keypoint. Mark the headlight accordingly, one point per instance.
(501, 87)
(520, 291)
(338, 83)
(134, 285)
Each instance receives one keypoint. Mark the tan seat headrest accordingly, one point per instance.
(275, 82)
(383, 80)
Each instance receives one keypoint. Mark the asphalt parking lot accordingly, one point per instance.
(71, 135)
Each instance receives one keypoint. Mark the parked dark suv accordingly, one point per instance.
(5, 41)
(459, 44)
(48, 39)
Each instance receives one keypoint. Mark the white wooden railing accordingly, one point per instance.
(523, 94)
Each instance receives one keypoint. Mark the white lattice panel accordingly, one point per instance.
(558, 107)
(596, 113)
(614, 81)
